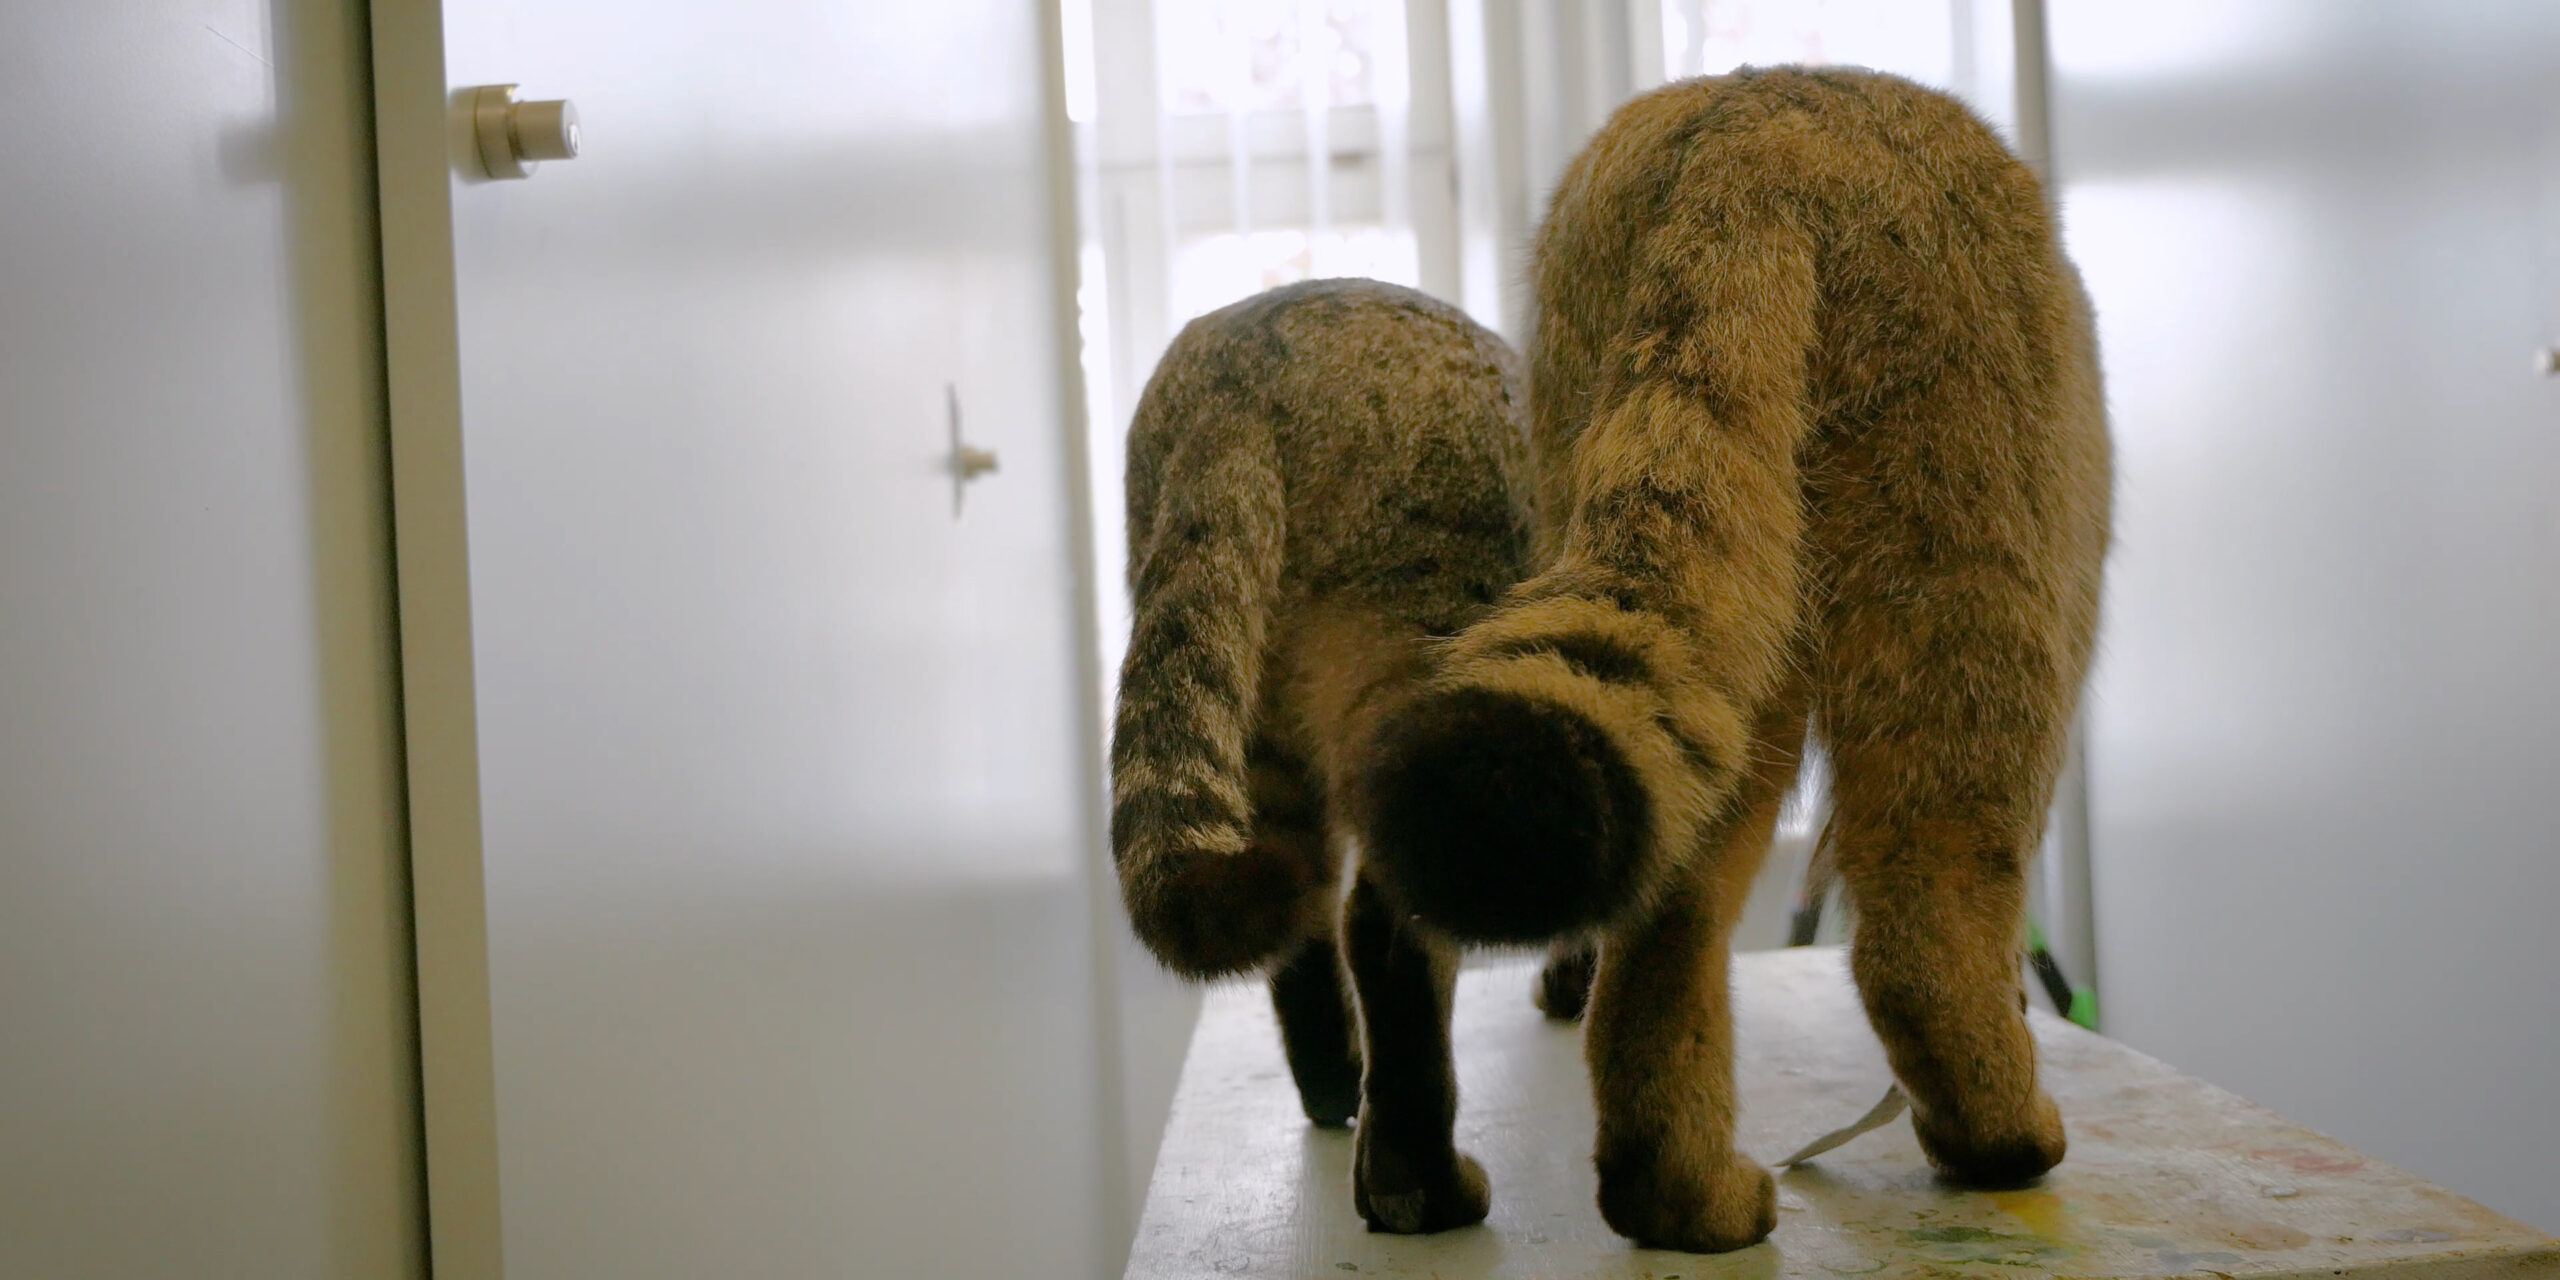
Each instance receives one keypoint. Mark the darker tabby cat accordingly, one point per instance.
(1320, 479)
(1816, 416)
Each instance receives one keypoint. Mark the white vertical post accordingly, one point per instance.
(1645, 69)
(1690, 58)
(1081, 309)
(2071, 918)
(1162, 105)
(1239, 173)
(1315, 100)
(2035, 144)
(1392, 78)
(1964, 70)
(1607, 69)
(1542, 101)
(1472, 141)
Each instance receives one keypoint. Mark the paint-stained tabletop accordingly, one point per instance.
(2167, 1175)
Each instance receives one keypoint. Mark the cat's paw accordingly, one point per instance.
(2009, 1152)
(1564, 985)
(1403, 1195)
(1645, 1199)
(1213, 915)
(1330, 1091)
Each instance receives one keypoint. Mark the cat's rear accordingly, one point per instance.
(1818, 416)
(1319, 478)
(1322, 479)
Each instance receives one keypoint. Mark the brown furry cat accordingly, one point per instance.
(1816, 414)
(1320, 478)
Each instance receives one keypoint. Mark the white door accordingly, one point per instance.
(770, 759)
(205, 1058)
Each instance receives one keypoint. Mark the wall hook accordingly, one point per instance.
(967, 461)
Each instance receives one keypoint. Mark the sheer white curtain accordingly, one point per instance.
(1226, 146)
(1967, 47)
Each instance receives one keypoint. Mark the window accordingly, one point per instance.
(1247, 55)
(1962, 46)
(1213, 270)
(1233, 145)
(1224, 147)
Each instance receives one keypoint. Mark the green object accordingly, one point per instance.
(2077, 1003)
(2084, 1007)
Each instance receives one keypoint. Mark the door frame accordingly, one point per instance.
(415, 163)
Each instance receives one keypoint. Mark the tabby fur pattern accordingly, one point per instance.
(1817, 426)
(1321, 480)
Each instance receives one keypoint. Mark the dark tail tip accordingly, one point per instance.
(1501, 818)
(1212, 915)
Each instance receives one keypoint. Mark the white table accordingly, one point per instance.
(2167, 1175)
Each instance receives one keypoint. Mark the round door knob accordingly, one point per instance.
(514, 136)
(546, 130)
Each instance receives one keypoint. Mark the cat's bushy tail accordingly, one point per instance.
(1575, 742)
(1203, 894)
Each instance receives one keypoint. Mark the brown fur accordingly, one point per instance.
(1321, 478)
(1816, 414)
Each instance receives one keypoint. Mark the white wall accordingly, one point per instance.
(204, 1032)
(2326, 719)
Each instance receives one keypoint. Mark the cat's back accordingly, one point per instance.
(1330, 358)
(1829, 140)
(1932, 242)
(1396, 423)
(1903, 196)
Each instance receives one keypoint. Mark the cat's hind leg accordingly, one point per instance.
(1351, 664)
(1564, 982)
(1408, 1175)
(1289, 824)
(1944, 735)
(1660, 1037)
(1316, 1031)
